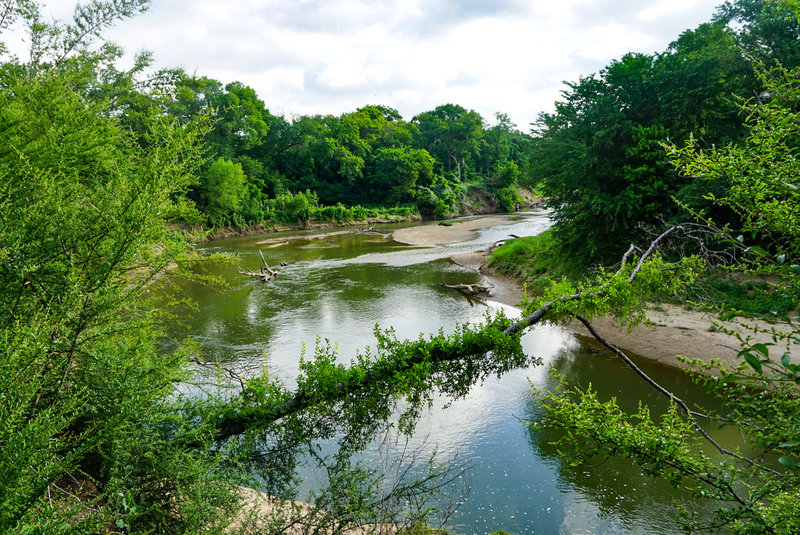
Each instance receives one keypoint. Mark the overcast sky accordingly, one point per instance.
(333, 56)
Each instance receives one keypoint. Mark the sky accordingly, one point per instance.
(308, 57)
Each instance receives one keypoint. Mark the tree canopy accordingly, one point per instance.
(598, 154)
(757, 488)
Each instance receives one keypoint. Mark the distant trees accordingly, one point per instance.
(369, 157)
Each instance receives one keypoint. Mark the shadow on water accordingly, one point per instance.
(339, 287)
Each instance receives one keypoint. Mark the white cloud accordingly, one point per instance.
(331, 56)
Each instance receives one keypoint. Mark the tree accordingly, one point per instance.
(222, 188)
(393, 174)
(452, 135)
(82, 232)
(770, 29)
(758, 490)
(595, 154)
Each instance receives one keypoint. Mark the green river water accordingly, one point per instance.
(338, 287)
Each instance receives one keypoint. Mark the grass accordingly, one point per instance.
(753, 298)
(535, 260)
(538, 260)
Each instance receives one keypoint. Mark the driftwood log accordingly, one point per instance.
(470, 289)
(266, 273)
(503, 241)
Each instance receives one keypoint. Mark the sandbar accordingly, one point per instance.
(457, 231)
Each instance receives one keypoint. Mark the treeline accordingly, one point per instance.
(600, 156)
(262, 167)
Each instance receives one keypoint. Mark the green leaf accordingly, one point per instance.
(788, 463)
(753, 361)
(757, 250)
(762, 348)
(785, 359)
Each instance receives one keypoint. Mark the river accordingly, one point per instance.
(338, 287)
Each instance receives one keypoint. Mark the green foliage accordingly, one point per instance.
(762, 172)
(83, 230)
(536, 260)
(394, 173)
(509, 198)
(507, 175)
(770, 27)
(757, 488)
(615, 294)
(452, 135)
(369, 157)
(222, 188)
(665, 447)
(599, 155)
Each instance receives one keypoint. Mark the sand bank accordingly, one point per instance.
(457, 231)
(673, 330)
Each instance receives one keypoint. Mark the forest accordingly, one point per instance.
(259, 167)
(106, 175)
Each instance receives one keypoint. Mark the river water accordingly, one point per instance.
(338, 287)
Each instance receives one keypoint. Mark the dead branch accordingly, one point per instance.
(470, 289)
(678, 401)
(266, 273)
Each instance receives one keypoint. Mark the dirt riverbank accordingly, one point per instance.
(670, 332)
(254, 230)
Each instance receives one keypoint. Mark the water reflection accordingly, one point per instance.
(339, 287)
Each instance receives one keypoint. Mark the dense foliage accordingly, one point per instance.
(599, 154)
(758, 488)
(370, 157)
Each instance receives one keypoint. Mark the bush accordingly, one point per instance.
(508, 198)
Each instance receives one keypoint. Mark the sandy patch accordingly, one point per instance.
(261, 511)
(436, 234)
(689, 333)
